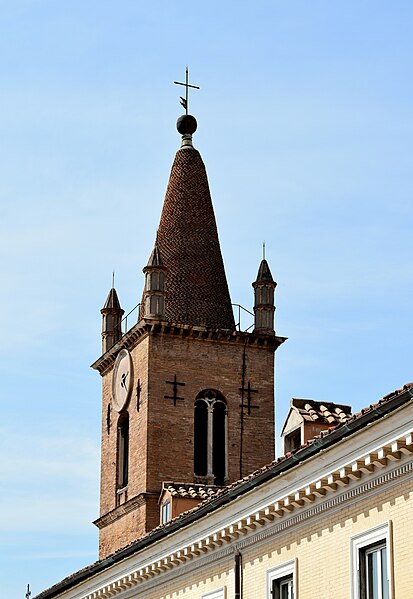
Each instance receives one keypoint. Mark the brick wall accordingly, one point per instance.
(161, 445)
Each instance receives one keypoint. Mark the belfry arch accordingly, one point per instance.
(211, 438)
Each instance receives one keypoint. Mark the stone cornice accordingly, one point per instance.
(147, 327)
(121, 510)
(369, 471)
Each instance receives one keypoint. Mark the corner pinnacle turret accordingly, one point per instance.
(264, 307)
(153, 302)
(111, 320)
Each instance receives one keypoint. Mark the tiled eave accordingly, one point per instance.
(147, 327)
(282, 507)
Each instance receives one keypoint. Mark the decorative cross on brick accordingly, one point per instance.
(138, 395)
(174, 384)
(248, 405)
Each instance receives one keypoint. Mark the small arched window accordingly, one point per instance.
(210, 432)
(123, 451)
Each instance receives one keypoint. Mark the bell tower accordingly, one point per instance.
(186, 397)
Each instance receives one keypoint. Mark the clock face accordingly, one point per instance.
(122, 380)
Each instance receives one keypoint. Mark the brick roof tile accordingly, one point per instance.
(196, 289)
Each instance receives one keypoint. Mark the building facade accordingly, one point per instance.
(334, 517)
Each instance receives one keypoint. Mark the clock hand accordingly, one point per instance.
(123, 380)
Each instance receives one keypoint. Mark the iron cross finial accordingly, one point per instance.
(28, 592)
(184, 101)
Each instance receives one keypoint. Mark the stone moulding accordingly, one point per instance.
(277, 516)
(147, 327)
(120, 510)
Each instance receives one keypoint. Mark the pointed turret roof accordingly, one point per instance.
(112, 301)
(155, 259)
(264, 273)
(196, 290)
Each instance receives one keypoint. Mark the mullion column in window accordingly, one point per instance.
(210, 410)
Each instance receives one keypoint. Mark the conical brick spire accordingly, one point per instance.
(196, 291)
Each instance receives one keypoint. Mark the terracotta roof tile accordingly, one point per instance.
(321, 412)
(189, 490)
(346, 417)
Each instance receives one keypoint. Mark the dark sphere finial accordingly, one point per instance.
(186, 124)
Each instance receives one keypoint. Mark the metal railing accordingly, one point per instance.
(242, 312)
(124, 321)
(242, 317)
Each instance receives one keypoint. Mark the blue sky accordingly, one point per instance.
(305, 126)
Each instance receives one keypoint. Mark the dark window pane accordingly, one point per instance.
(123, 450)
(218, 455)
(283, 588)
(384, 577)
(201, 438)
(373, 572)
